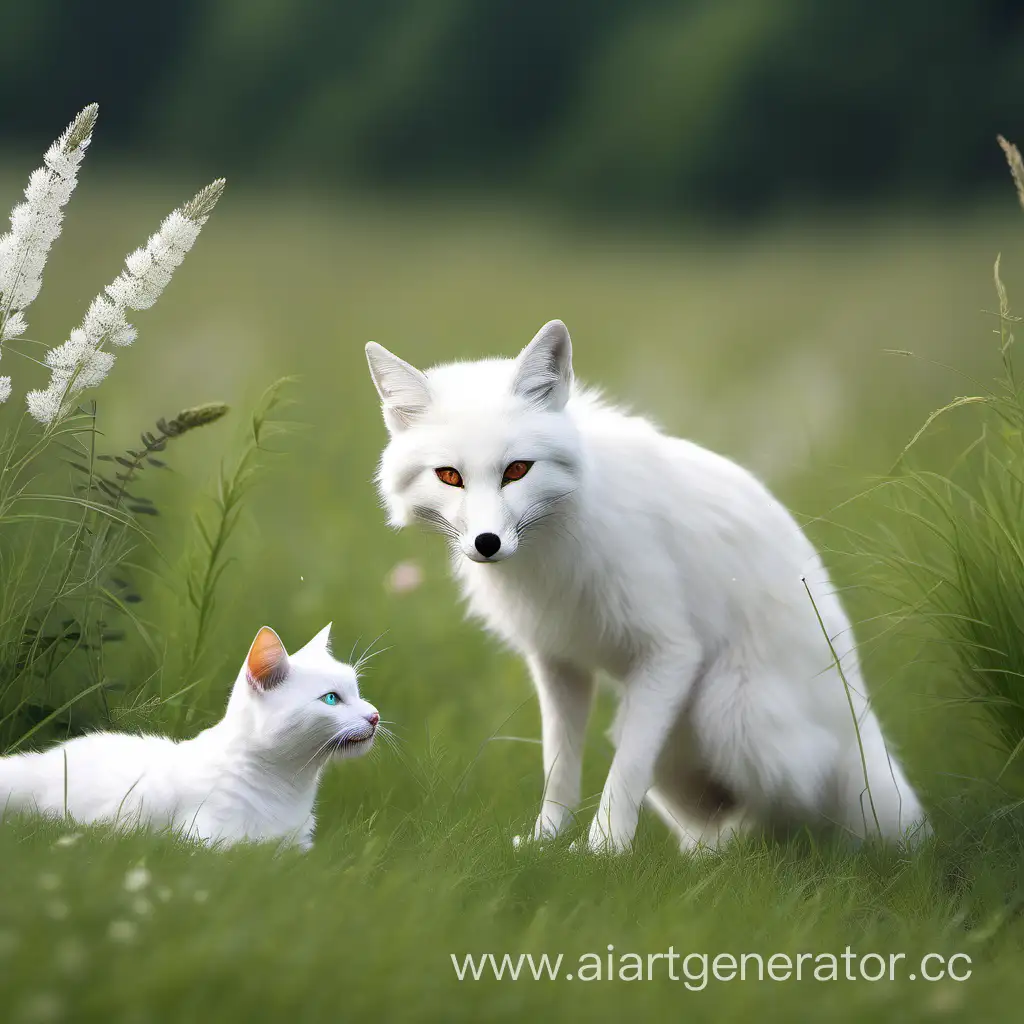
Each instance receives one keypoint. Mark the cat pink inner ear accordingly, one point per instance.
(267, 663)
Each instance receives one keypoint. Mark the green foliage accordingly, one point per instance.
(365, 925)
(960, 559)
(68, 549)
(953, 555)
(695, 105)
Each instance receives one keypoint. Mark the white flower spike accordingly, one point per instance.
(36, 223)
(81, 362)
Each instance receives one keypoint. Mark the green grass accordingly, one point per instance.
(768, 347)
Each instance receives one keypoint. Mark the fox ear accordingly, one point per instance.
(544, 368)
(404, 391)
(267, 662)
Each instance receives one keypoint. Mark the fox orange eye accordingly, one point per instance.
(449, 476)
(516, 471)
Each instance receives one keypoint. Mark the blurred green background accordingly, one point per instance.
(723, 106)
(741, 209)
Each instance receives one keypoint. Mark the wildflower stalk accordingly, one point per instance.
(211, 562)
(186, 420)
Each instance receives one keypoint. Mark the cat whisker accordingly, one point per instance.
(369, 657)
(369, 647)
(388, 737)
(319, 750)
(377, 638)
(352, 653)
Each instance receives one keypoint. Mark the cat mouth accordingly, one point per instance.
(350, 745)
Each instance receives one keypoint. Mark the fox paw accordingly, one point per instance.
(538, 840)
(600, 845)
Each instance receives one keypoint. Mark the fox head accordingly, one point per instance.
(479, 451)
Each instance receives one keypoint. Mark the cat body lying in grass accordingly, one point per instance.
(252, 776)
(590, 541)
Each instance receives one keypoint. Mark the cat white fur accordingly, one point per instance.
(668, 567)
(252, 776)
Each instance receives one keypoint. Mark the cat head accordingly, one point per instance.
(304, 706)
(481, 451)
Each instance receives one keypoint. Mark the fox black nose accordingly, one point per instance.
(487, 544)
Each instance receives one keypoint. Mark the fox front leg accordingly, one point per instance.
(654, 696)
(565, 693)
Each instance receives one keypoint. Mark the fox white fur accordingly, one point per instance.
(669, 568)
(252, 776)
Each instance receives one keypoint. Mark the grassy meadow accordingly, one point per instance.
(768, 345)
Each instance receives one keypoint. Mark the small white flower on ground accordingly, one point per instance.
(49, 881)
(5, 389)
(40, 1008)
(404, 577)
(142, 906)
(70, 956)
(945, 998)
(137, 879)
(69, 840)
(123, 931)
(57, 909)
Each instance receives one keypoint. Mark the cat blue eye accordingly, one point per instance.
(331, 698)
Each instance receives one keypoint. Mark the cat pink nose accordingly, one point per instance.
(373, 719)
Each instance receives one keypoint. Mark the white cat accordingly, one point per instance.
(252, 776)
(590, 541)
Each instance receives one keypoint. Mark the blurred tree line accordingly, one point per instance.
(721, 105)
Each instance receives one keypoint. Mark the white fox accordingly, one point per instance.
(588, 540)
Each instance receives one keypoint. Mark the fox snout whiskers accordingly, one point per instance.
(484, 546)
(541, 510)
(433, 519)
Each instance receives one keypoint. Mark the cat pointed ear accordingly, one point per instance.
(323, 638)
(544, 368)
(266, 665)
(404, 391)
